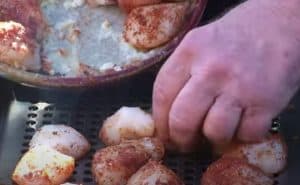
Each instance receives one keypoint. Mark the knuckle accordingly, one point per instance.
(180, 123)
(213, 135)
(160, 94)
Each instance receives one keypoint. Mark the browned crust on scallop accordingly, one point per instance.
(158, 150)
(232, 171)
(168, 177)
(127, 160)
(114, 165)
(38, 177)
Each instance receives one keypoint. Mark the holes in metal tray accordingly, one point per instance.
(48, 115)
(87, 172)
(31, 123)
(30, 130)
(88, 122)
(25, 144)
(79, 123)
(87, 179)
(189, 178)
(49, 108)
(63, 115)
(32, 115)
(33, 108)
(23, 151)
(46, 122)
(88, 164)
(95, 115)
(27, 137)
(80, 115)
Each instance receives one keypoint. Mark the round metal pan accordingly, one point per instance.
(46, 81)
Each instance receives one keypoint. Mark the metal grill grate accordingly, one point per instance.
(88, 122)
(19, 119)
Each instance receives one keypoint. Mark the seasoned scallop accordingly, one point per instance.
(114, 165)
(28, 13)
(63, 138)
(127, 123)
(154, 173)
(20, 30)
(270, 155)
(151, 26)
(231, 171)
(16, 48)
(43, 165)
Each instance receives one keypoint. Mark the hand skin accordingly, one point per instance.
(228, 79)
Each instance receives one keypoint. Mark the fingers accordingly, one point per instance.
(170, 80)
(222, 120)
(255, 124)
(188, 111)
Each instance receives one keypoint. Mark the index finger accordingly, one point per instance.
(170, 80)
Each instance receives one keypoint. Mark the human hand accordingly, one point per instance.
(230, 78)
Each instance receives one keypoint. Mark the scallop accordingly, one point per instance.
(154, 173)
(114, 165)
(127, 123)
(149, 27)
(270, 155)
(63, 138)
(232, 171)
(43, 165)
(16, 48)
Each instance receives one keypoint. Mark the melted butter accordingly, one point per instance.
(91, 36)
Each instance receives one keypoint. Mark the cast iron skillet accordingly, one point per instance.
(58, 82)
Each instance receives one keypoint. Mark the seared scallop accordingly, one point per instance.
(63, 138)
(20, 30)
(43, 165)
(127, 123)
(151, 26)
(28, 13)
(114, 165)
(154, 173)
(231, 171)
(270, 155)
(16, 48)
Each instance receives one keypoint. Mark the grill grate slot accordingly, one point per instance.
(88, 122)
